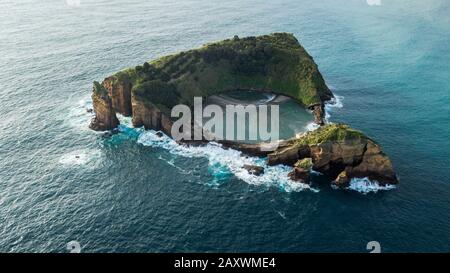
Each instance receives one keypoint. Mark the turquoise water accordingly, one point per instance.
(293, 118)
(60, 182)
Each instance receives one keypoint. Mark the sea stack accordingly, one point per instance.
(105, 115)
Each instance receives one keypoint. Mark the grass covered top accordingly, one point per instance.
(331, 133)
(275, 62)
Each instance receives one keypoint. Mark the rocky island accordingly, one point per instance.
(274, 63)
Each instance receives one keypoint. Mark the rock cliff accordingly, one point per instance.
(105, 115)
(150, 116)
(120, 94)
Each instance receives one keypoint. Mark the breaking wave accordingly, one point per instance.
(225, 162)
(80, 116)
(334, 103)
(365, 186)
(310, 127)
(80, 157)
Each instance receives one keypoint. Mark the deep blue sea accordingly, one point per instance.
(388, 64)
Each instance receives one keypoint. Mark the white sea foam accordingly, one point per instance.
(127, 121)
(80, 157)
(364, 186)
(310, 127)
(79, 116)
(282, 214)
(227, 161)
(334, 103)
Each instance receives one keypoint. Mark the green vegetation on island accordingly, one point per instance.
(275, 62)
(331, 132)
(159, 93)
(100, 90)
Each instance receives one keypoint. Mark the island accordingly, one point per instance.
(274, 63)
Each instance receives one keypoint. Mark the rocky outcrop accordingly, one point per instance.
(253, 149)
(375, 165)
(301, 170)
(342, 180)
(319, 114)
(335, 150)
(120, 94)
(288, 153)
(285, 156)
(255, 170)
(149, 116)
(105, 115)
(341, 153)
(299, 175)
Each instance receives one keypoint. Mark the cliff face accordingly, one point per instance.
(120, 94)
(339, 152)
(150, 116)
(375, 165)
(105, 115)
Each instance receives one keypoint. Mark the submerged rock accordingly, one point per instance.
(300, 175)
(255, 170)
(110, 133)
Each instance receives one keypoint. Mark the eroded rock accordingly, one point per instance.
(255, 170)
(335, 148)
(120, 94)
(319, 114)
(302, 170)
(300, 175)
(342, 180)
(105, 115)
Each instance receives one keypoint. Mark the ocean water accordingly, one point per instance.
(134, 192)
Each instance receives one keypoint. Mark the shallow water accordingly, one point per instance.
(292, 118)
(60, 182)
